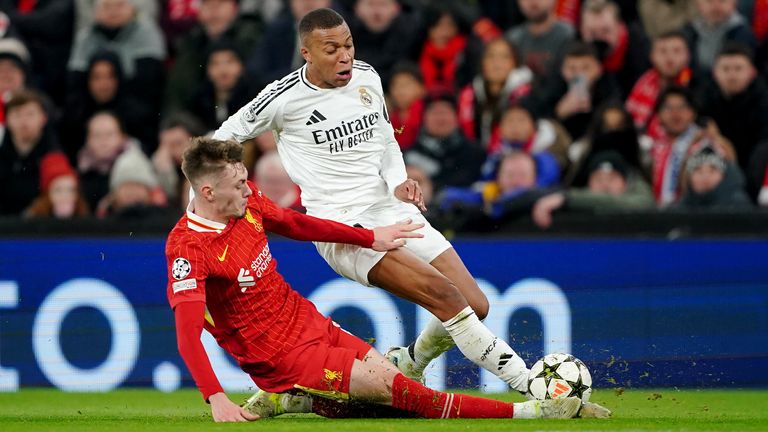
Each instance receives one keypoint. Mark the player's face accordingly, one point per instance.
(329, 54)
(230, 191)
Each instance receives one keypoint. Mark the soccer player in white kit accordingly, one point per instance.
(336, 142)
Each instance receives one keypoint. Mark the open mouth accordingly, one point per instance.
(345, 74)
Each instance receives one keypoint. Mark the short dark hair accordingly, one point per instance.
(118, 120)
(671, 34)
(323, 18)
(675, 90)
(732, 48)
(207, 156)
(184, 120)
(25, 96)
(581, 49)
(406, 67)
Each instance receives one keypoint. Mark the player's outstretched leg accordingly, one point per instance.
(405, 275)
(375, 380)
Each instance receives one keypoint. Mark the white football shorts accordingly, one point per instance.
(354, 262)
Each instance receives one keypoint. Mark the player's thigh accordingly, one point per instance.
(339, 337)
(407, 276)
(450, 264)
(371, 379)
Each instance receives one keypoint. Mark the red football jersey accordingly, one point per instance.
(251, 311)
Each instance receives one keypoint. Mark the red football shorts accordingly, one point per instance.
(319, 364)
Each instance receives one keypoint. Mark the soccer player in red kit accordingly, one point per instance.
(222, 277)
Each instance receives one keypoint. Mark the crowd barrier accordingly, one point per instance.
(90, 314)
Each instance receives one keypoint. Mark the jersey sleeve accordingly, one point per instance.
(292, 224)
(392, 164)
(187, 270)
(256, 117)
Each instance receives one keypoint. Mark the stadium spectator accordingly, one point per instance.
(442, 151)
(444, 53)
(134, 192)
(670, 58)
(137, 42)
(85, 10)
(272, 179)
(218, 20)
(14, 66)
(176, 131)
(542, 39)
(663, 16)
(177, 19)
(27, 140)
(225, 88)
(544, 139)
(581, 87)
(682, 138)
(47, 28)
(502, 82)
(737, 101)
(105, 89)
(384, 34)
(105, 141)
(717, 22)
(611, 185)
(278, 52)
(60, 195)
(610, 129)
(622, 48)
(712, 183)
(406, 103)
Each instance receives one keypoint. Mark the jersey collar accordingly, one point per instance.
(303, 76)
(201, 224)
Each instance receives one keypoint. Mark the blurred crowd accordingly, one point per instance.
(502, 108)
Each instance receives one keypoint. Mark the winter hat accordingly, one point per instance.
(52, 166)
(608, 160)
(132, 166)
(14, 49)
(706, 155)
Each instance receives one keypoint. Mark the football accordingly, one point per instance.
(559, 375)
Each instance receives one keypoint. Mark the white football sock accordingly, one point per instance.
(432, 341)
(479, 345)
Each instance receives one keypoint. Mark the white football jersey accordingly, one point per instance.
(336, 144)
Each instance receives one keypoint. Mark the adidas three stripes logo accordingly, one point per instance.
(316, 117)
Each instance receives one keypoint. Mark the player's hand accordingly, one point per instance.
(224, 410)
(391, 236)
(409, 191)
(542, 210)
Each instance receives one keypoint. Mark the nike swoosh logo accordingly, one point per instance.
(223, 255)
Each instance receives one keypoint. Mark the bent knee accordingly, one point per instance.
(481, 307)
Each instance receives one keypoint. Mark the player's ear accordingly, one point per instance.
(305, 53)
(206, 191)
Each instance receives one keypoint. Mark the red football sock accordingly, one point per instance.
(411, 396)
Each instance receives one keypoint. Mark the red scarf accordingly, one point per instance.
(2, 111)
(760, 19)
(26, 6)
(407, 128)
(182, 9)
(438, 64)
(568, 11)
(615, 59)
(642, 99)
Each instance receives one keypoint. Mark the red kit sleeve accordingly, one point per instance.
(298, 226)
(190, 316)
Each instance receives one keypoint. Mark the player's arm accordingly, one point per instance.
(393, 166)
(292, 224)
(190, 317)
(254, 118)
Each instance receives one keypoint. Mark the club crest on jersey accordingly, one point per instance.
(365, 97)
(256, 223)
(249, 115)
(181, 268)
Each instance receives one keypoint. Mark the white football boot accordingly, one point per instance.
(267, 405)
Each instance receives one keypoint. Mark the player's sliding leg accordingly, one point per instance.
(375, 380)
(403, 274)
(434, 340)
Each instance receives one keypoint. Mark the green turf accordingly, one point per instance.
(128, 410)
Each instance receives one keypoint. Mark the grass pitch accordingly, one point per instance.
(129, 410)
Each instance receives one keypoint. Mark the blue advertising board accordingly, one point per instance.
(92, 315)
